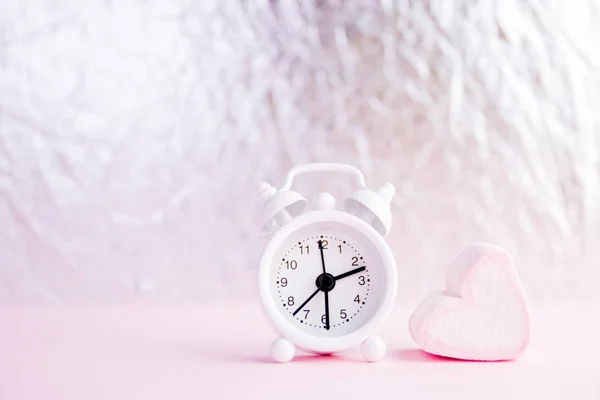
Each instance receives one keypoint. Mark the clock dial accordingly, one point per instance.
(326, 283)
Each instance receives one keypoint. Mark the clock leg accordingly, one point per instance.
(373, 349)
(282, 350)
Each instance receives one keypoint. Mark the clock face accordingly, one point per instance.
(327, 283)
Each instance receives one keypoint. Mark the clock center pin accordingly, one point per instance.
(325, 282)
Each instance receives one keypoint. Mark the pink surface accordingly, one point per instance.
(183, 352)
(482, 314)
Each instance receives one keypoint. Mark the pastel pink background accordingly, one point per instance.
(133, 134)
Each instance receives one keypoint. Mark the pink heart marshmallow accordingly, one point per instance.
(483, 314)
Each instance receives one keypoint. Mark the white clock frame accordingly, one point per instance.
(373, 348)
(303, 339)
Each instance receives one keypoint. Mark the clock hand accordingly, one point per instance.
(352, 272)
(326, 310)
(306, 301)
(318, 290)
(322, 258)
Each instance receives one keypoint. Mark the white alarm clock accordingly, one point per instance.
(327, 277)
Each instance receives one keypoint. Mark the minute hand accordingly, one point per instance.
(352, 272)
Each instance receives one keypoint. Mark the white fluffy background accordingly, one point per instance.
(133, 134)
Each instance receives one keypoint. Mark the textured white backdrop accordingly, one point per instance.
(133, 134)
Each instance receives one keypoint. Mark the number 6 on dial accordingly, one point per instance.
(327, 277)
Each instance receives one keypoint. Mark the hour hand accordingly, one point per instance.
(347, 274)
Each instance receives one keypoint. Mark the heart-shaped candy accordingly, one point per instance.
(483, 314)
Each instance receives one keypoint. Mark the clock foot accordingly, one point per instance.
(373, 349)
(282, 350)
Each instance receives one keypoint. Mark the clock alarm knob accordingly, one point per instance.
(323, 201)
(373, 207)
(278, 207)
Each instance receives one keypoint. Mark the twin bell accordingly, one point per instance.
(281, 206)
